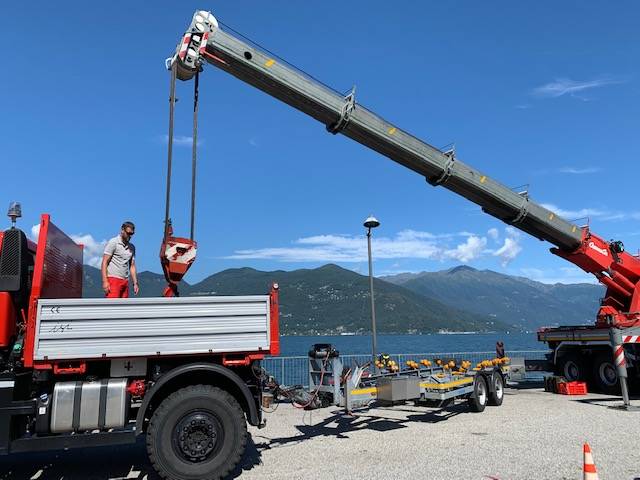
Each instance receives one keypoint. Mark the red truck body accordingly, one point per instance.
(63, 401)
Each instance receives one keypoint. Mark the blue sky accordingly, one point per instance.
(544, 93)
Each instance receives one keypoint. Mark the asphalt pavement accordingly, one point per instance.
(533, 435)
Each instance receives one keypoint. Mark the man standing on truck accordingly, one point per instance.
(118, 262)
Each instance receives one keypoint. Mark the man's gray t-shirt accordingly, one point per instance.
(121, 255)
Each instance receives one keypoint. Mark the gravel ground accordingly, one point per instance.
(533, 435)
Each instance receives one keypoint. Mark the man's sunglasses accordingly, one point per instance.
(130, 233)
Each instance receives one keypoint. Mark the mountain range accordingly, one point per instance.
(519, 302)
(334, 300)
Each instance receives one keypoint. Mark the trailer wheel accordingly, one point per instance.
(479, 397)
(196, 433)
(605, 375)
(496, 393)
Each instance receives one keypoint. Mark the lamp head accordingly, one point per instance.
(371, 222)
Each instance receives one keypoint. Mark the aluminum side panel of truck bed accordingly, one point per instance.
(98, 328)
(574, 334)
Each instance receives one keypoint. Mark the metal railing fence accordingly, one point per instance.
(295, 370)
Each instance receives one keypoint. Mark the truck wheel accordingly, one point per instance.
(196, 433)
(571, 367)
(605, 375)
(497, 395)
(479, 397)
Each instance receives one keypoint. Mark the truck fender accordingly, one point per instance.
(254, 417)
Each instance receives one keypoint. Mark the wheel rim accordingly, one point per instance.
(197, 436)
(482, 392)
(607, 374)
(571, 370)
(499, 387)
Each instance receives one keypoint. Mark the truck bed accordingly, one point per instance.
(577, 333)
(86, 328)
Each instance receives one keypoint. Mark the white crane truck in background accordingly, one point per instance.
(578, 353)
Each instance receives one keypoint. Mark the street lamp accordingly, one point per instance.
(369, 223)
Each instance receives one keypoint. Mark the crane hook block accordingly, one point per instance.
(177, 254)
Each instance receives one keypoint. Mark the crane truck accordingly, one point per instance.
(80, 372)
(578, 353)
(185, 372)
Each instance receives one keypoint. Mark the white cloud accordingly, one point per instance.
(182, 140)
(511, 247)
(493, 234)
(92, 251)
(35, 232)
(467, 251)
(405, 244)
(566, 86)
(601, 214)
(579, 171)
(572, 214)
(566, 275)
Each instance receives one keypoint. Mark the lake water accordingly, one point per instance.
(403, 344)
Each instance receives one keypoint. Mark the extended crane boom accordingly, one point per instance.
(616, 269)
(206, 41)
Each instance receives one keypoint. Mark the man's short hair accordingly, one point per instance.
(128, 225)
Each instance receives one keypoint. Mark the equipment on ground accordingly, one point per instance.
(424, 383)
(575, 351)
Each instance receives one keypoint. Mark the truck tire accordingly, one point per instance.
(496, 392)
(572, 367)
(605, 375)
(197, 433)
(480, 396)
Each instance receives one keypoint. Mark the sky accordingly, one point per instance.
(544, 94)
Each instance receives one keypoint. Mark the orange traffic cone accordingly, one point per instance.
(589, 468)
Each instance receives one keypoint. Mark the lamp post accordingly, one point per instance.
(369, 223)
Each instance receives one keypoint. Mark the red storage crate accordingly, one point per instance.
(572, 388)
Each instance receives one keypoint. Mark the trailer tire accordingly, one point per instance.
(496, 392)
(605, 374)
(572, 367)
(214, 434)
(480, 396)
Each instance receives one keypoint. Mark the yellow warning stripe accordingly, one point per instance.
(362, 391)
(444, 386)
(269, 62)
(437, 386)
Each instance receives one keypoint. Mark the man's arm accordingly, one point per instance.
(109, 250)
(134, 275)
(106, 258)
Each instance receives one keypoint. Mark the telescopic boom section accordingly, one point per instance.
(206, 41)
